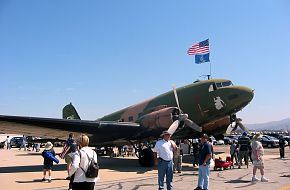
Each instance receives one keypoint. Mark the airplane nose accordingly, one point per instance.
(247, 94)
(250, 93)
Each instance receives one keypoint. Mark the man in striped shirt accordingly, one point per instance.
(244, 144)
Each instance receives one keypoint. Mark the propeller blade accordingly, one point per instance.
(193, 125)
(234, 125)
(173, 127)
(231, 128)
(182, 117)
(242, 126)
(176, 97)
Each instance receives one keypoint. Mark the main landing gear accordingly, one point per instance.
(145, 155)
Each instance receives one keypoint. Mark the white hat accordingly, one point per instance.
(48, 146)
(165, 133)
(258, 136)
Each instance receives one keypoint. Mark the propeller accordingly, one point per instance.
(236, 122)
(182, 117)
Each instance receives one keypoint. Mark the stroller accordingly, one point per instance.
(221, 164)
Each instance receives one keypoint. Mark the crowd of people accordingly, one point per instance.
(79, 158)
(167, 156)
(249, 149)
(243, 150)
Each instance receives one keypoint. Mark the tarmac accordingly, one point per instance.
(22, 170)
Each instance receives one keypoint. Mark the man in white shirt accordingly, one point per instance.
(164, 151)
(7, 141)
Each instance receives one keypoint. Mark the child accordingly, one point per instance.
(49, 157)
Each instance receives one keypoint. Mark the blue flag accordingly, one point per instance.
(201, 58)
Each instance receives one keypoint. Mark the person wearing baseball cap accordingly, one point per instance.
(204, 157)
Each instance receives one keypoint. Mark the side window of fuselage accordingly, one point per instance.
(219, 85)
(212, 87)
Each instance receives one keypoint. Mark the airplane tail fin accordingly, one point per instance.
(69, 112)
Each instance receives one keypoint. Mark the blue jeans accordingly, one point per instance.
(203, 176)
(165, 168)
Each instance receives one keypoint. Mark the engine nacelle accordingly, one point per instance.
(162, 118)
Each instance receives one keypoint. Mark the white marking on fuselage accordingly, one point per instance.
(219, 103)
(70, 117)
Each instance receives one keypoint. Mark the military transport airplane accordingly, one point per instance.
(208, 105)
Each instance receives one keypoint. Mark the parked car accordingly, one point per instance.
(228, 140)
(213, 140)
(220, 142)
(237, 137)
(269, 141)
(287, 138)
(16, 141)
(101, 151)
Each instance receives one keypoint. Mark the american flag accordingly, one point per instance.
(199, 48)
(65, 150)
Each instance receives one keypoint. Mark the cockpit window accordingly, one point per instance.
(228, 83)
(219, 85)
(223, 84)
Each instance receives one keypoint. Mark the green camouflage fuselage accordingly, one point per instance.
(204, 102)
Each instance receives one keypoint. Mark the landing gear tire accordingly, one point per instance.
(146, 158)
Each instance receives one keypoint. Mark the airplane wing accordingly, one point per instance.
(100, 132)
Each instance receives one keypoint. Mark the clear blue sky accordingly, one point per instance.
(107, 55)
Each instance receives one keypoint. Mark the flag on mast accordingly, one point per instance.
(201, 51)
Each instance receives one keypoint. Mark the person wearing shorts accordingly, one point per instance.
(257, 156)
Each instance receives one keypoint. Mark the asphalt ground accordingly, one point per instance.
(23, 170)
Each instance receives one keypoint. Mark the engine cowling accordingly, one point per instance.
(162, 118)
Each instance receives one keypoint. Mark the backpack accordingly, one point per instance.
(93, 167)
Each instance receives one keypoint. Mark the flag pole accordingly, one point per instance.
(209, 69)
(209, 61)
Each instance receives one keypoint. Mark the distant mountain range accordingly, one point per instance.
(273, 125)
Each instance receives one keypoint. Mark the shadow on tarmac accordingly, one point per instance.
(122, 165)
(117, 164)
(35, 168)
(132, 165)
(285, 176)
(30, 154)
(39, 180)
(239, 180)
